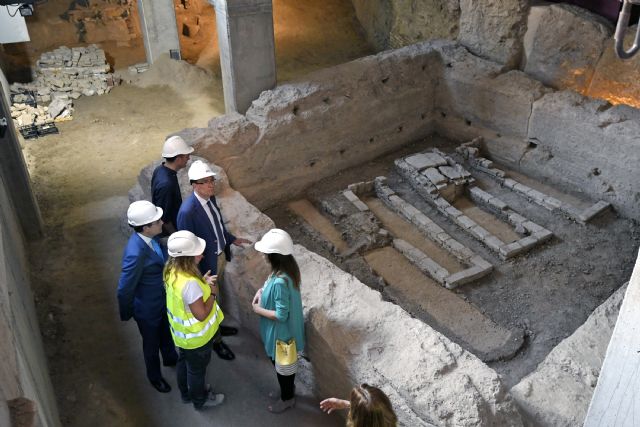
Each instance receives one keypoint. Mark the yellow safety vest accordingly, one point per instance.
(187, 331)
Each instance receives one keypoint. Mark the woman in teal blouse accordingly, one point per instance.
(279, 306)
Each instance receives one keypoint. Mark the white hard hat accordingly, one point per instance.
(185, 243)
(143, 212)
(199, 170)
(275, 241)
(175, 146)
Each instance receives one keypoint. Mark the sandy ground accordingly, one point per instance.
(81, 178)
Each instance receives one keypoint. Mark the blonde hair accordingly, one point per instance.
(370, 407)
(182, 264)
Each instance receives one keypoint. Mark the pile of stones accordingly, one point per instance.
(61, 75)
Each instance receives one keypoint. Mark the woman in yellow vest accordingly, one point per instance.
(194, 317)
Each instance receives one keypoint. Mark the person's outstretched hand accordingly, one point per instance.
(332, 403)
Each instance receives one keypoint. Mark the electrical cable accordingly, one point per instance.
(15, 12)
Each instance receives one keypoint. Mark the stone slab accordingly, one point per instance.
(422, 161)
(434, 176)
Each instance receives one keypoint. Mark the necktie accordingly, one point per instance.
(156, 248)
(218, 228)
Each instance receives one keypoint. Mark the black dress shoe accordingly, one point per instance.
(227, 331)
(161, 385)
(223, 351)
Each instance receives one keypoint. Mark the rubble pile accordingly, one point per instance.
(61, 75)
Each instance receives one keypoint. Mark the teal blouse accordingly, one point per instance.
(278, 294)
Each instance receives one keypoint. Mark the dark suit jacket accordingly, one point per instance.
(141, 291)
(192, 217)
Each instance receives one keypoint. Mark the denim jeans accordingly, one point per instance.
(191, 371)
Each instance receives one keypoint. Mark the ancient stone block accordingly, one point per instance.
(493, 242)
(434, 176)
(616, 80)
(465, 222)
(563, 44)
(450, 172)
(494, 30)
(573, 132)
(422, 161)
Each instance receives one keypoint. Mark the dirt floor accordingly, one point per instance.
(81, 178)
(547, 293)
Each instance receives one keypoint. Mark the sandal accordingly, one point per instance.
(282, 405)
(275, 394)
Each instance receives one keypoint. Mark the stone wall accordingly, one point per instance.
(561, 45)
(24, 376)
(340, 117)
(298, 133)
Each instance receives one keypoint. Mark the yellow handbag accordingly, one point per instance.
(286, 353)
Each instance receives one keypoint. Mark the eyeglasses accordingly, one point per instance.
(206, 181)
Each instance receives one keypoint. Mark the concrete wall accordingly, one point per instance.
(25, 387)
(298, 133)
(23, 371)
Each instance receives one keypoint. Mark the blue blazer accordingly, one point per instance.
(141, 291)
(192, 217)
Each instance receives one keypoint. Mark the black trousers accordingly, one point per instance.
(156, 338)
(287, 385)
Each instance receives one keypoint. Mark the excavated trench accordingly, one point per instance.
(513, 313)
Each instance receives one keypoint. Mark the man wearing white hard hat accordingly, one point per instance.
(141, 292)
(201, 215)
(165, 191)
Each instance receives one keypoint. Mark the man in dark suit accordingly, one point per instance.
(141, 293)
(165, 190)
(201, 215)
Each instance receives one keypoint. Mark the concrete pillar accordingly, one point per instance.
(247, 50)
(13, 171)
(616, 399)
(159, 28)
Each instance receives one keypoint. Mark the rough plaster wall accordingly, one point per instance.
(564, 44)
(338, 118)
(539, 396)
(353, 336)
(23, 370)
(494, 29)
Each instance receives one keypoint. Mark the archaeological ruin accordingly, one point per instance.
(459, 179)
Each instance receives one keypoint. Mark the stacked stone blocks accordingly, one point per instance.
(410, 168)
(478, 267)
(470, 151)
(61, 75)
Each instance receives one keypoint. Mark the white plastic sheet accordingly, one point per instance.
(12, 29)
